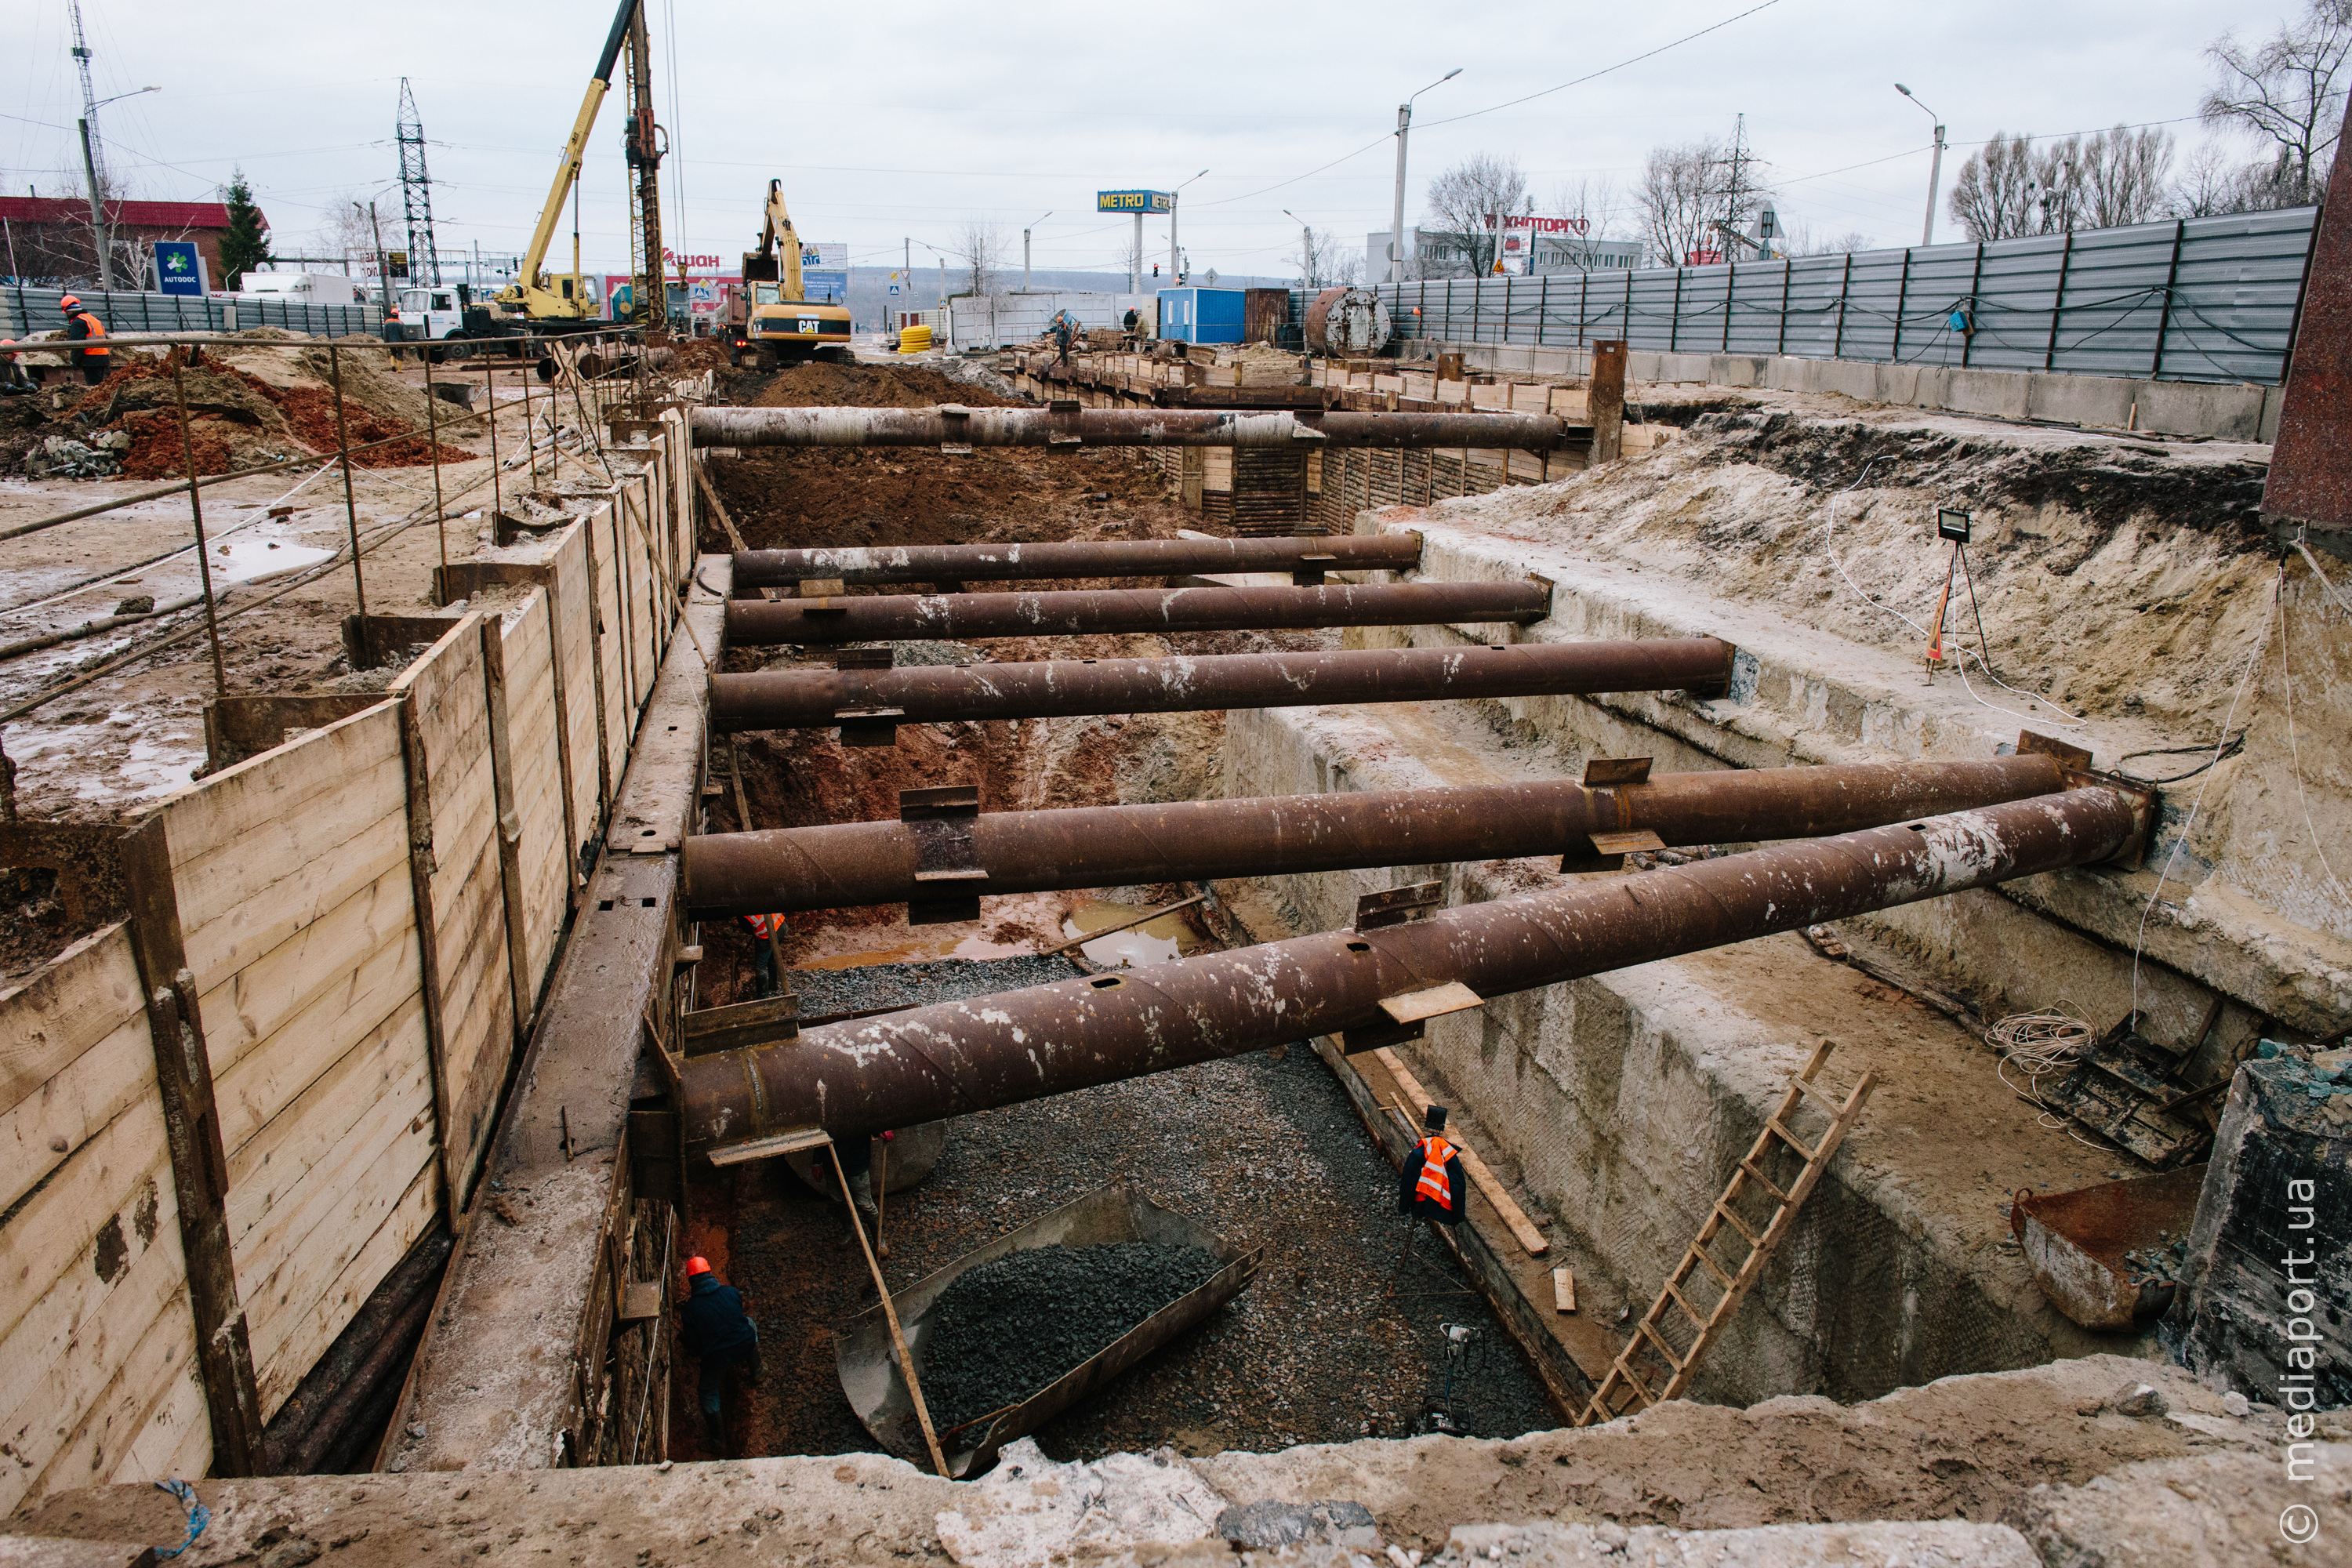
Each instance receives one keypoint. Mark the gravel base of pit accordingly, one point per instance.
(828, 992)
(1264, 1150)
(1007, 1328)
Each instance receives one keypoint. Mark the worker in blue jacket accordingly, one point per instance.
(713, 1328)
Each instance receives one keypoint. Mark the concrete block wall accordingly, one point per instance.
(2221, 413)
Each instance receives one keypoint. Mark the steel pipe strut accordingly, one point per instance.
(854, 864)
(950, 426)
(1029, 562)
(1060, 688)
(961, 1057)
(756, 623)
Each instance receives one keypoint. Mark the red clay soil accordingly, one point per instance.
(229, 412)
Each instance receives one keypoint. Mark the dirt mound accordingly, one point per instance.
(823, 384)
(237, 419)
(368, 381)
(688, 355)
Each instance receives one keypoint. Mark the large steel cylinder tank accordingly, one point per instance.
(1347, 322)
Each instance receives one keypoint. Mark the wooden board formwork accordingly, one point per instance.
(448, 696)
(533, 747)
(614, 635)
(576, 677)
(642, 583)
(75, 1056)
(94, 1317)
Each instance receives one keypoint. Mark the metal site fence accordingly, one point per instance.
(24, 310)
(2210, 299)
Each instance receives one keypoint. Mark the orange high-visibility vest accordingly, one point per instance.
(765, 926)
(1435, 1185)
(97, 330)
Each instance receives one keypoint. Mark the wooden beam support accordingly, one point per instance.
(183, 1079)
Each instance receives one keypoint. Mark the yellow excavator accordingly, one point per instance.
(770, 319)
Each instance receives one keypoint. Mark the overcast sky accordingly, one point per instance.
(907, 119)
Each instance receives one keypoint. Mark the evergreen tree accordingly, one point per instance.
(246, 246)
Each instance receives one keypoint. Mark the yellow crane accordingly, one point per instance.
(536, 300)
(769, 315)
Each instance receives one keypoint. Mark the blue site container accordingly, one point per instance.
(1201, 315)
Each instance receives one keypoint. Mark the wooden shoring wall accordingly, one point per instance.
(368, 916)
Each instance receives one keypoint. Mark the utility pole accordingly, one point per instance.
(1306, 268)
(1935, 167)
(99, 241)
(1024, 251)
(1396, 221)
(1175, 257)
(382, 269)
(1736, 189)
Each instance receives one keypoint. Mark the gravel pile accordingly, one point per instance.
(825, 992)
(1007, 1328)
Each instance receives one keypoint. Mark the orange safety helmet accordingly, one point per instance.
(70, 302)
(695, 1265)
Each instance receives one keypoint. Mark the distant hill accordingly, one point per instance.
(870, 302)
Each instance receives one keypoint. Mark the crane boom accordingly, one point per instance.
(567, 170)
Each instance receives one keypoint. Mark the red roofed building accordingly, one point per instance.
(47, 238)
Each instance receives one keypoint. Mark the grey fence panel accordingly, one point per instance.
(2194, 300)
(25, 311)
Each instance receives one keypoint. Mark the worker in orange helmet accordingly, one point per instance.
(82, 327)
(1432, 1185)
(713, 1328)
(767, 931)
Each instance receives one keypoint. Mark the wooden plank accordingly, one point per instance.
(712, 1029)
(1437, 1002)
(314, 1015)
(1563, 1290)
(66, 1007)
(1531, 1240)
(263, 793)
(83, 1018)
(163, 1356)
(526, 655)
(67, 1355)
(388, 1062)
(325, 1289)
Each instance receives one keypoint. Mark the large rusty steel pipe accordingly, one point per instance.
(854, 864)
(950, 426)
(755, 623)
(960, 1057)
(1061, 688)
(1029, 562)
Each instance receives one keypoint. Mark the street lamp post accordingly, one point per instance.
(383, 267)
(1306, 248)
(1935, 169)
(1396, 221)
(102, 237)
(1175, 273)
(1025, 248)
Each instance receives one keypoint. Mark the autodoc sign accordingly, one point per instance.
(179, 267)
(1135, 201)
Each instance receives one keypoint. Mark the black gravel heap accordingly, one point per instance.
(827, 991)
(1007, 1328)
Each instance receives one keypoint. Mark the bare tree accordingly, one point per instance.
(1323, 262)
(2284, 92)
(979, 249)
(2120, 177)
(344, 231)
(1801, 240)
(1675, 199)
(1599, 206)
(1993, 194)
(2212, 182)
(1466, 204)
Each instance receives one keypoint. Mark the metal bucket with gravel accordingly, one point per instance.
(1111, 1235)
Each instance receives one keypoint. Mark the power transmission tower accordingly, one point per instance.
(416, 192)
(1738, 189)
(89, 103)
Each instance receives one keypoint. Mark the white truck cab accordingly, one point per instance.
(430, 313)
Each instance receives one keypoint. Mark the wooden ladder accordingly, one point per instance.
(1652, 1349)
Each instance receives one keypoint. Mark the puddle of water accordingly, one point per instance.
(249, 560)
(1162, 940)
(918, 950)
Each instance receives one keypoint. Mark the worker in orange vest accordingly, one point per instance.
(83, 327)
(1433, 1187)
(765, 931)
